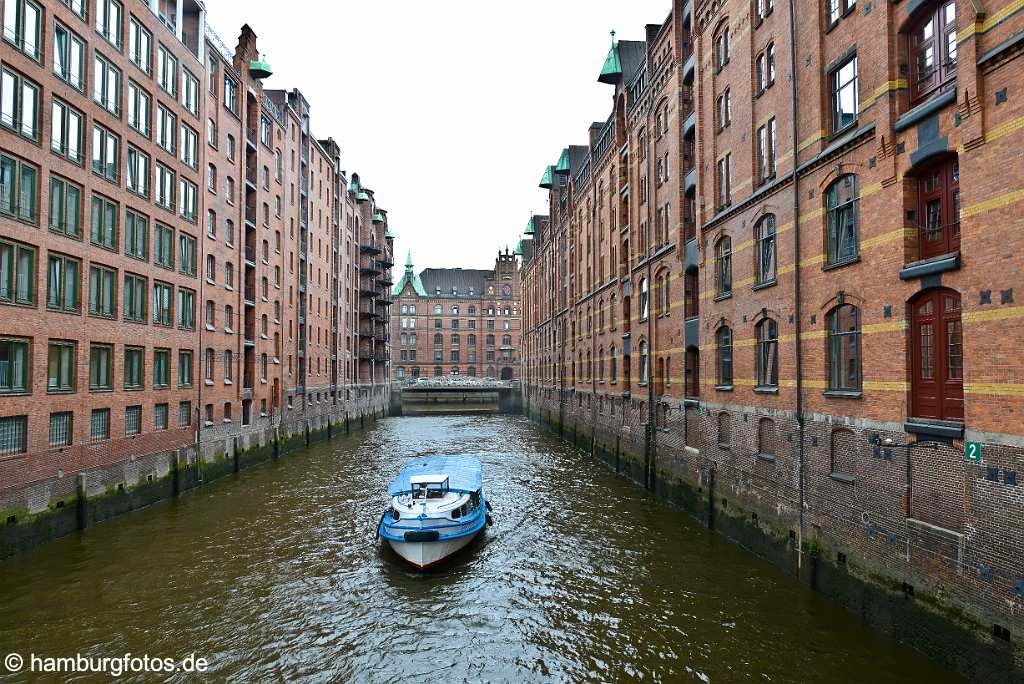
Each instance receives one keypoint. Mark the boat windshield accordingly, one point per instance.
(429, 486)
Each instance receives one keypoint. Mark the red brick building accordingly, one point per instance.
(457, 321)
(843, 398)
(179, 255)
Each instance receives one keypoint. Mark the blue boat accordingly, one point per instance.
(437, 508)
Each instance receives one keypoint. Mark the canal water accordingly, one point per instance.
(275, 575)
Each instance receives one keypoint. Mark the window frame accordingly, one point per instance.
(835, 358)
(836, 212)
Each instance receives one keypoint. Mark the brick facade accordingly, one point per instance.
(454, 321)
(257, 247)
(847, 305)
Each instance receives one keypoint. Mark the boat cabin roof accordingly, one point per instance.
(461, 473)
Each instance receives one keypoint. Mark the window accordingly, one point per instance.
(103, 230)
(722, 49)
(13, 435)
(724, 429)
(133, 365)
(106, 85)
(761, 73)
(60, 429)
(231, 95)
(62, 283)
(160, 417)
(231, 148)
(106, 154)
(100, 367)
(22, 24)
(163, 241)
(61, 367)
(932, 49)
(938, 189)
(764, 235)
(102, 291)
(68, 56)
(108, 21)
(229, 275)
(211, 268)
(265, 131)
(14, 366)
(844, 370)
(139, 106)
(161, 368)
(185, 413)
(841, 201)
(140, 45)
(167, 71)
(66, 131)
(65, 207)
(645, 299)
(767, 354)
(185, 368)
(724, 109)
(186, 309)
(136, 235)
(723, 266)
(132, 420)
(766, 438)
(843, 86)
(138, 172)
(645, 370)
(135, 297)
(764, 8)
(725, 181)
(211, 185)
(937, 355)
(723, 359)
(17, 273)
(99, 424)
(766, 151)
(211, 135)
(161, 303)
(189, 146)
(770, 58)
(187, 193)
(164, 187)
(229, 226)
(190, 98)
(19, 104)
(166, 129)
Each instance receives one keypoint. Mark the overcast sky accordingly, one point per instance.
(449, 109)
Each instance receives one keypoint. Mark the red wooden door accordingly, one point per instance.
(937, 389)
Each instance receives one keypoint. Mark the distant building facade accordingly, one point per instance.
(457, 321)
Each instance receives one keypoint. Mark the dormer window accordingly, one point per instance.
(932, 50)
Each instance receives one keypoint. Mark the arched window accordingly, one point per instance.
(844, 370)
(938, 190)
(723, 356)
(600, 365)
(612, 311)
(438, 371)
(600, 315)
(455, 310)
(767, 354)
(438, 339)
(764, 234)
(724, 429)
(691, 372)
(645, 299)
(211, 268)
(644, 363)
(932, 49)
(723, 265)
(590, 368)
(437, 309)
(766, 438)
(841, 201)
(455, 340)
(613, 374)
(722, 47)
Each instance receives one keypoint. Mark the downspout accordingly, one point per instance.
(796, 284)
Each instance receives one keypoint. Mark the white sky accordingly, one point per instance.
(448, 109)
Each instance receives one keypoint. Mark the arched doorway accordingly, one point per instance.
(506, 373)
(936, 352)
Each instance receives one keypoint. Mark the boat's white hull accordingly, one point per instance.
(425, 554)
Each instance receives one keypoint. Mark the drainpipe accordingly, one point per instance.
(798, 317)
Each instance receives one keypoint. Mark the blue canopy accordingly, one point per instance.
(464, 473)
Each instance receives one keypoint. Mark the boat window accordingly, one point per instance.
(457, 513)
(395, 515)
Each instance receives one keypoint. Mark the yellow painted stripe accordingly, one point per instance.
(999, 389)
(898, 84)
(996, 202)
(983, 315)
(990, 21)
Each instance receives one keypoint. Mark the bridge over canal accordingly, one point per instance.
(444, 395)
